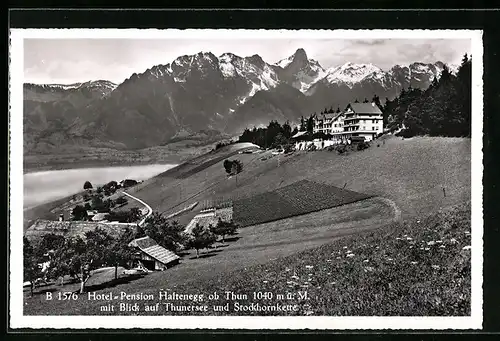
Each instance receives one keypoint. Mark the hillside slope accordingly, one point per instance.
(411, 172)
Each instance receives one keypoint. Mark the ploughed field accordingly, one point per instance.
(296, 199)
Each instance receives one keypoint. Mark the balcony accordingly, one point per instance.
(356, 124)
(362, 116)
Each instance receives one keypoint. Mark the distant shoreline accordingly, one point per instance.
(27, 169)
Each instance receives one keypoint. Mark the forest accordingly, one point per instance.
(443, 109)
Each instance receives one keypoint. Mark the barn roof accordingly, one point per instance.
(69, 228)
(151, 248)
(365, 108)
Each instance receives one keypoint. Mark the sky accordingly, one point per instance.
(66, 61)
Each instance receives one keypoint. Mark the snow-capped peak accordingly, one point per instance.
(299, 57)
(227, 57)
(283, 63)
(351, 73)
(97, 84)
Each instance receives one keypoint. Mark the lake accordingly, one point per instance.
(46, 186)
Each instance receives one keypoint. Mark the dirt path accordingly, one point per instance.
(150, 210)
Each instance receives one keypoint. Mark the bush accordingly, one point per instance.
(362, 145)
(221, 144)
(289, 148)
(233, 167)
(129, 183)
(129, 216)
(79, 213)
(341, 148)
(311, 147)
(87, 185)
(236, 167)
(406, 133)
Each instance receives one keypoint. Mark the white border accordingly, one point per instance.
(17, 320)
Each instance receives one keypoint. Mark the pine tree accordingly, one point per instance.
(302, 124)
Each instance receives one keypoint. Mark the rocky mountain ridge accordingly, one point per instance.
(199, 92)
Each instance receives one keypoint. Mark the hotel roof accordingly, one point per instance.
(365, 108)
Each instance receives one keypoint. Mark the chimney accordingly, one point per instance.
(61, 217)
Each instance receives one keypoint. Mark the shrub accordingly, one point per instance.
(227, 165)
(362, 145)
(236, 167)
(289, 148)
(79, 213)
(129, 216)
(87, 185)
(341, 148)
(233, 167)
(128, 183)
(406, 133)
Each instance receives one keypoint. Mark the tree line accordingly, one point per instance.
(53, 256)
(272, 136)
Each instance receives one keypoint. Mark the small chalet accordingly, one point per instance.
(153, 256)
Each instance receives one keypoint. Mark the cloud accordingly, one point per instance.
(370, 42)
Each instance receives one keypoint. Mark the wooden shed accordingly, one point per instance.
(152, 255)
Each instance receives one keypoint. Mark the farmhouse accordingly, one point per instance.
(362, 119)
(153, 256)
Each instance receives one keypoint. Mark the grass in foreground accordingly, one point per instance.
(420, 269)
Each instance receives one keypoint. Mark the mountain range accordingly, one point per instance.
(202, 92)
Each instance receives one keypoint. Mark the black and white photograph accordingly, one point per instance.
(246, 179)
